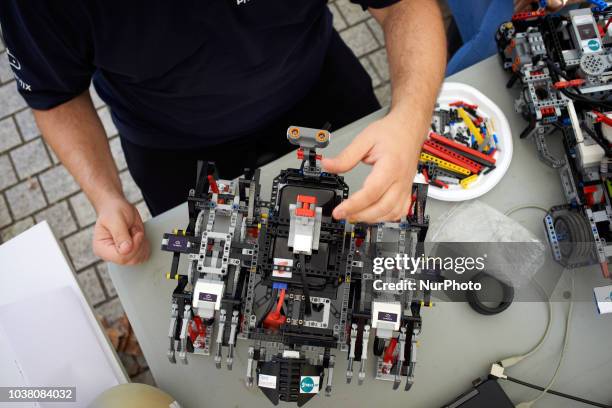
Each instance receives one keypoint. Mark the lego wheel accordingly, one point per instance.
(574, 236)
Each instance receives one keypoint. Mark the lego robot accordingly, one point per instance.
(563, 65)
(293, 282)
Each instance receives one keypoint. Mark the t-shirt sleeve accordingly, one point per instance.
(47, 51)
(377, 4)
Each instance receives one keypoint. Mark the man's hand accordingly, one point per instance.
(75, 133)
(389, 146)
(392, 144)
(119, 233)
(552, 5)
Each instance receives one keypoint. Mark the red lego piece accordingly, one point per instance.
(603, 118)
(547, 111)
(275, 319)
(304, 212)
(528, 15)
(464, 104)
(213, 184)
(569, 84)
(451, 143)
(196, 329)
(307, 199)
(442, 152)
(300, 155)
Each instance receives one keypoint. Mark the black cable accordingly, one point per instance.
(268, 309)
(558, 394)
(597, 137)
(302, 267)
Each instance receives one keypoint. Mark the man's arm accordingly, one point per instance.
(76, 135)
(416, 48)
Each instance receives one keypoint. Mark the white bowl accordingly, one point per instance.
(451, 92)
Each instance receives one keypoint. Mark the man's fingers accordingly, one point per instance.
(388, 208)
(142, 254)
(105, 248)
(349, 157)
(373, 188)
(119, 230)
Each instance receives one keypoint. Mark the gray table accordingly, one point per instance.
(457, 345)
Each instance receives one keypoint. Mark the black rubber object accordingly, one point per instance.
(379, 346)
(478, 306)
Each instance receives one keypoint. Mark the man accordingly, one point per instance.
(218, 80)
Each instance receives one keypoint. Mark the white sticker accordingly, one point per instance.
(282, 268)
(309, 384)
(603, 297)
(267, 381)
(282, 274)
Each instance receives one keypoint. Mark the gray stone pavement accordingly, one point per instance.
(34, 186)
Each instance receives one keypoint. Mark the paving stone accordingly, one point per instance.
(6, 73)
(59, 218)
(130, 189)
(83, 210)
(107, 121)
(352, 13)
(25, 198)
(379, 34)
(339, 22)
(117, 152)
(7, 174)
(30, 158)
(90, 284)
(102, 268)
(5, 216)
(11, 100)
(80, 249)
(381, 63)
(373, 74)
(143, 210)
(111, 310)
(383, 93)
(27, 125)
(58, 183)
(16, 229)
(360, 39)
(9, 137)
(52, 154)
(97, 101)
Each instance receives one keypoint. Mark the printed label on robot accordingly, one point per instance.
(178, 242)
(208, 297)
(387, 317)
(309, 384)
(267, 381)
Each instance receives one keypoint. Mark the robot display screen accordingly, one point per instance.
(587, 31)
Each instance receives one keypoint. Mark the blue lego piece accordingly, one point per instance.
(599, 5)
(279, 285)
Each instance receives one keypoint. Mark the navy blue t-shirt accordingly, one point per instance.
(175, 73)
